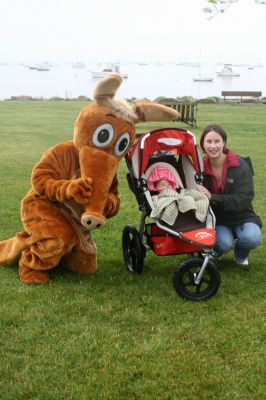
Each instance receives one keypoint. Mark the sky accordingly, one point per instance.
(130, 31)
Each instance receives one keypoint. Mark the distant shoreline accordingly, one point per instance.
(162, 100)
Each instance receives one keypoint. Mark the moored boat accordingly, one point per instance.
(202, 79)
(227, 71)
(108, 70)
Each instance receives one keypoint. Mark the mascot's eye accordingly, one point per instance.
(103, 135)
(122, 144)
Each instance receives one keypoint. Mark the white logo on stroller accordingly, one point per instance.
(159, 245)
(169, 141)
(203, 235)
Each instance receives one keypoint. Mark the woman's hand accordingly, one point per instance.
(205, 191)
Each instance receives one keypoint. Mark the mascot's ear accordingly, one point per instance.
(106, 88)
(149, 111)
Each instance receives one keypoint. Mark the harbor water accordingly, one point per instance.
(143, 80)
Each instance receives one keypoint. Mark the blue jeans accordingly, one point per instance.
(241, 238)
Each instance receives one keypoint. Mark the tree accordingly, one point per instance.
(219, 6)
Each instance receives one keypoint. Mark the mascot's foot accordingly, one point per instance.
(81, 262)
(30, 276)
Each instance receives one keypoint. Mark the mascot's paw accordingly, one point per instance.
(80, 190)
(30, 276)
(81, 262)
(112, 206)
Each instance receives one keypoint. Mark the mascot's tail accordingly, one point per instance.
(11, 249)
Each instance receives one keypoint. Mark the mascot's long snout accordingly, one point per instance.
(101, 167)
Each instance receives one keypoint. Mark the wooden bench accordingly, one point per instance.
(241, 94)
(187, 111)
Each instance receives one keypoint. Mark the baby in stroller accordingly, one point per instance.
(165, 169)
(172, 196)
(160, 177)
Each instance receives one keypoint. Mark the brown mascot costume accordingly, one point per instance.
(75, 187)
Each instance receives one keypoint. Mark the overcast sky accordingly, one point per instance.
(130, 30)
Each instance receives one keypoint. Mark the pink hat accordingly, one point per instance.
(158, 173)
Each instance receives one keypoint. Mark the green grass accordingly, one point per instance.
(114, 335)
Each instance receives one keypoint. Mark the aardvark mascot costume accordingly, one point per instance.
(75, 187)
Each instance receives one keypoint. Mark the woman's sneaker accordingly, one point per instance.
(241, 262)
(214, 255)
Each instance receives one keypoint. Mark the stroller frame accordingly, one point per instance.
(196, 278)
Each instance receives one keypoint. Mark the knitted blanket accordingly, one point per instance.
(168, 203)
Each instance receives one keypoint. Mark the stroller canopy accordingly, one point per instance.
(177, 141)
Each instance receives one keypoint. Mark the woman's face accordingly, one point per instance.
(213, 144)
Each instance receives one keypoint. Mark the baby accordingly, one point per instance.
(160, 177)
(172, 197)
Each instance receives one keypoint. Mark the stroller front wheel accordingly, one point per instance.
(133, 249)
(184, 280)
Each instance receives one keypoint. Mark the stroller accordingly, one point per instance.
(197, 277)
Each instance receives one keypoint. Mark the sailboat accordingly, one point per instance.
(78, 65)
(202, 79)
(199, 77)
(108, 70)
(45, 66)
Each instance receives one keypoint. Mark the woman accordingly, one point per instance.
(228, 184)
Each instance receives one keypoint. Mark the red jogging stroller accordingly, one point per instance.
(197, 277)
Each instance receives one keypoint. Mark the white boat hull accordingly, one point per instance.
(102, 74)
(199, 79)
(225, 74)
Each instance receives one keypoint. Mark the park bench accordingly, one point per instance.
(241, 94)
(187, 111)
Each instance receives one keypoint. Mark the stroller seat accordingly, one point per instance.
(184, 222)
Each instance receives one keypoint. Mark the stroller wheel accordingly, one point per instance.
(185, 275)
(133, 249)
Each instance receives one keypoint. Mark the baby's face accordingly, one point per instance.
(163, 184)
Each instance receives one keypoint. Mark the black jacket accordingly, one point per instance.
(233, 206)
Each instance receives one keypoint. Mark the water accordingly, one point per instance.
(150, 81)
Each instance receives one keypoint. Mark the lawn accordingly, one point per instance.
(115, 335)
